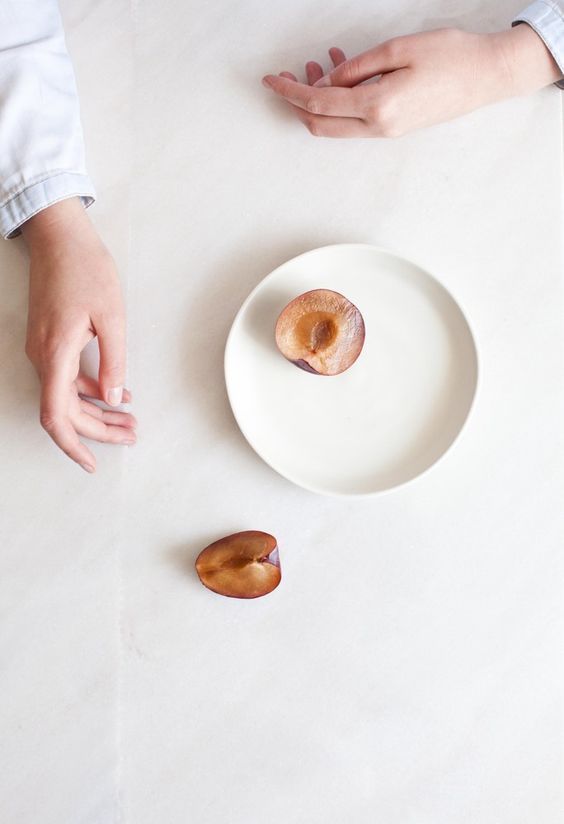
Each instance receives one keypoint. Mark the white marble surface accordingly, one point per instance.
(408, 669)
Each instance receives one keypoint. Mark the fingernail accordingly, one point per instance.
(267, 80)
(88, 468)
(115, 395)
(128, 441)
(323, 81)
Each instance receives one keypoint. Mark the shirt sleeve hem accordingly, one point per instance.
(41, 194)
(547, 20)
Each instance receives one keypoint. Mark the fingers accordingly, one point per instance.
(102, 430)
(90, 388)
(56, 381)
(384, 58)
(352, 112)
(326, 102)
(314, 72)
(337, 56)
(124, 419)
(320, 126)
(111, 341)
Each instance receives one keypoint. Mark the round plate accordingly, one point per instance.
(385, 420)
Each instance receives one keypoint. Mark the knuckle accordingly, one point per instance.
(55, 344)
(449, 36)
(313, 127)
(313, 105)
(46, 360)
(391, 49)
(112, 369)
(351, 69)
(30, 350)
(384, 119)
(105, 433)
(388, 127)
(391, 132)
(48, 420)
(51, 349)
(453, 34)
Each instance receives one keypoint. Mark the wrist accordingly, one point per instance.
(64, 220)
(525, 60)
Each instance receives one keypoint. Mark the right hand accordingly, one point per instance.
(74, 295)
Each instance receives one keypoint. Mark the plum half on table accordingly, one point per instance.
(243, 565)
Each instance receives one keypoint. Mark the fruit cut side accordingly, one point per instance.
(243, 565)
(320, 331)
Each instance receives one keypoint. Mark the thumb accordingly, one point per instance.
(379, 60)
(111, 342)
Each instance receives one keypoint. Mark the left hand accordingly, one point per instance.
(419, 80)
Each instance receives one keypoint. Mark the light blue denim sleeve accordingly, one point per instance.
(546, 17)
(41, 145)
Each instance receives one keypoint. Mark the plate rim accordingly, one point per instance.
(338, 493)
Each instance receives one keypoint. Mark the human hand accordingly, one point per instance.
(74, 295)
(420, 79)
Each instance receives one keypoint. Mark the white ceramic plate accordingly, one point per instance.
(385, 420)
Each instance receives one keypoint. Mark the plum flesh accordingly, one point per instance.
(243, 565)
(321, 332)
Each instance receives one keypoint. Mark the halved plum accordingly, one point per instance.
(243, 565)
(321, 332)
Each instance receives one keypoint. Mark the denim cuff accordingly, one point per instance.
(36, 196)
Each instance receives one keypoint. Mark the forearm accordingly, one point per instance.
(41, 145)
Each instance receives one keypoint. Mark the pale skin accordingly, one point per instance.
(417, 81)
(74, 296)
(414, 81)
